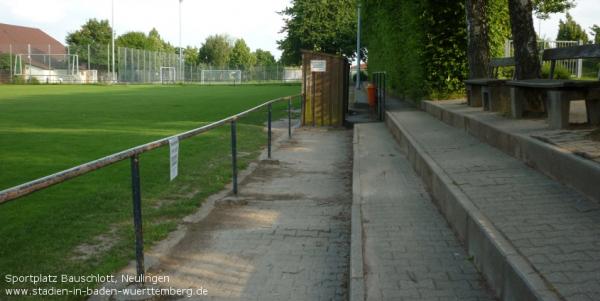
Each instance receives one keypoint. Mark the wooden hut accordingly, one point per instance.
(325, 86)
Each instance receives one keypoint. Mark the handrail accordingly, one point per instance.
(133, 154)
(61, 176)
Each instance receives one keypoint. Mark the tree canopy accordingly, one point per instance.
(240, 56)
(92, 32)
(569, 30)
(190, 56)
(596, 33)
(326, 26)
(95, 34)
(139, 40)
(264, 58)
(543, 8)
(133, 39)
(215, 50)
(156, 43)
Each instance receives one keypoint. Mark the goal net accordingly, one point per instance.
(221, 76)
(46, 68)
(167, 75)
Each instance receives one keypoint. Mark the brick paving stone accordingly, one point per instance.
(410, 253)
(539, 216)
(288, 240)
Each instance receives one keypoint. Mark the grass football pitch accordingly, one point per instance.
(84, 226)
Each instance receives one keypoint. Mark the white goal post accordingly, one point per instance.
(221, 76)
(47, 68)
(167, 75)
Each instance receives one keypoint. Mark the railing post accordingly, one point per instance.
(137, 215)
(290, 117)
(234, 156)
(269, 132)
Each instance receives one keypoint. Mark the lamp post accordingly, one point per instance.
(181, 75)
(113, 75)
(358, 48)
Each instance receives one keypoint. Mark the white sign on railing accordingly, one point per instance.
(174, 156)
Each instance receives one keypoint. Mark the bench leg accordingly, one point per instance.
(517, 102)
(558, 109)
(474, 95)
(592, 106)
(486, 97)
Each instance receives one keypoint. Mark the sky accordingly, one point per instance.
(586, 13)
(256, 21)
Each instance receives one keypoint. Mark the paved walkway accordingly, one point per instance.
(409, 251)
(552, 226)
(287, 235)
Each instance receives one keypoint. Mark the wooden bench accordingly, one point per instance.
(489, 92)
(558, 94)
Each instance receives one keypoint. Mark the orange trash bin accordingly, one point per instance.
(372, 95)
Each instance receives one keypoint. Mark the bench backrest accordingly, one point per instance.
(498, 62)
(568, 53)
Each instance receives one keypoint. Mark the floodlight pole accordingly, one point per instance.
(181, 78)
(113, 42)
(358, 47)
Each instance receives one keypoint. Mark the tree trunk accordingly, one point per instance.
(478, 51)
(524, 39)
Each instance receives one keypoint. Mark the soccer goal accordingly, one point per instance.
(47, 68)
(167, 75)
(221, 76)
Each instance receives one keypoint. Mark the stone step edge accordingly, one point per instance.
(357, 280)
(567, 168)
(506, 271)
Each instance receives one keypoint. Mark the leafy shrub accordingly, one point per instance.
(422, 45)
(23, 80)
(560, 72)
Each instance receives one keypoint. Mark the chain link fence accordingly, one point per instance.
(88, 64)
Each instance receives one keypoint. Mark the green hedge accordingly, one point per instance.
(422, 44)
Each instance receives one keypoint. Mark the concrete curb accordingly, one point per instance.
(507, 272)
(357, 280)
(567, 168)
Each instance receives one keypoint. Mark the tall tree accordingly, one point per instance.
(133, 39)
(264, 58)
(478, 49)
(524, 39)
(156, 43)
(596, 33)
(215, 50)
(326, 26)
(241, 57)
(92, 32)
(190, 55)
(95, 34)
(569, 30)
(543, 8)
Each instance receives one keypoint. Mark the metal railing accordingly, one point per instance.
(575, 66)
(379, 79)
(133, 154)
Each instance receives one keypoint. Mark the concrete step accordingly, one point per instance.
(530, 236)
(526, 140)
(402, 248)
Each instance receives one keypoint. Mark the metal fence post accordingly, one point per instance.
(137, 215)
(290, 117)
(234, 156)
(269, 132)
(579, 63)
